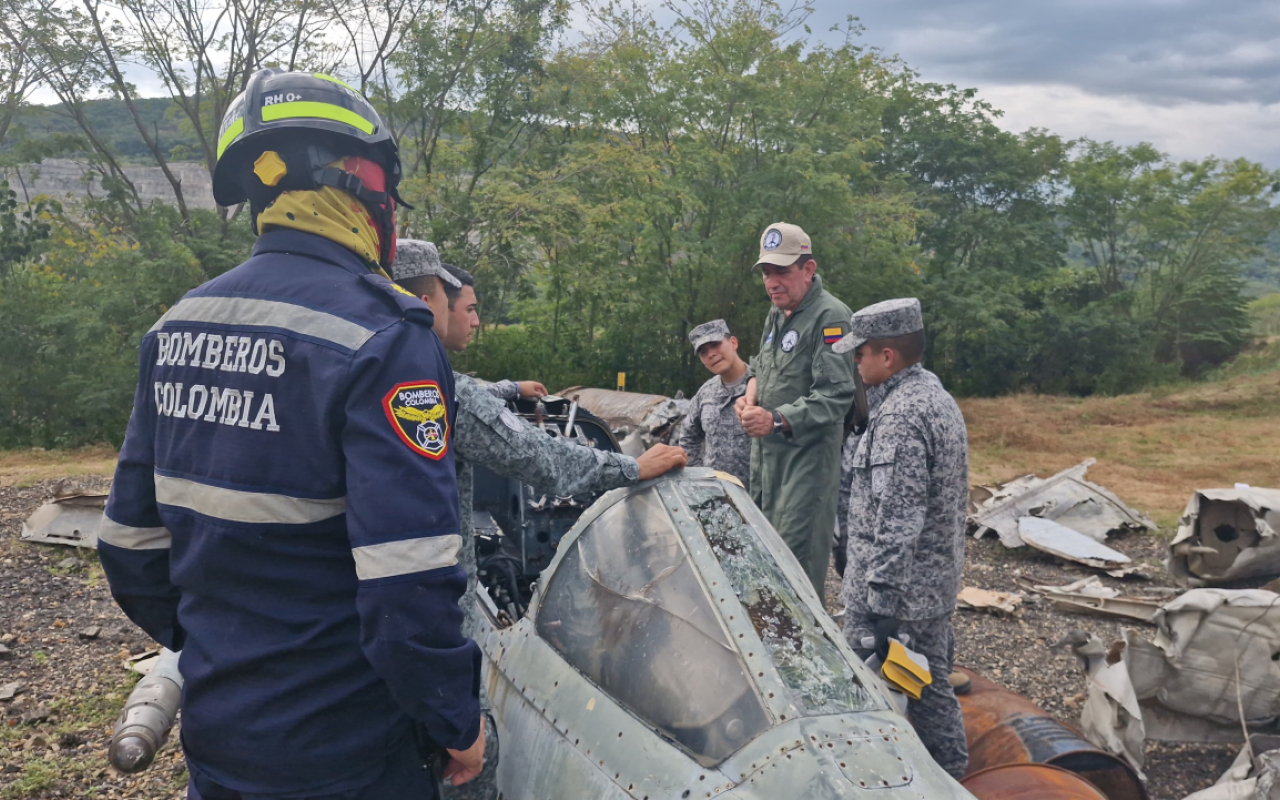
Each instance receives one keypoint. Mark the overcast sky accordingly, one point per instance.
(1195, 78)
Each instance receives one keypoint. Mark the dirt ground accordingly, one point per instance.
(64, 639)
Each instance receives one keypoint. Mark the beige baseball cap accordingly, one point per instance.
(782, 243)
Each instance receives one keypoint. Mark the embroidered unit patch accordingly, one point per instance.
(418, 414)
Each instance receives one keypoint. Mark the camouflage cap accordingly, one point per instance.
(415, 258)
(882, 321)
(782, 243)
(717, 330)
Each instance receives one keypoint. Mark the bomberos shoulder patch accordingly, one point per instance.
(418, 414)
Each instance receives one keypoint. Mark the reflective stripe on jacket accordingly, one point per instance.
(284, 511)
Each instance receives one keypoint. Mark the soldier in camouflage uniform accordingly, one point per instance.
(487, 432)
(909, 493)
(711, 433)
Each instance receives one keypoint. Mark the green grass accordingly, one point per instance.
(37, 775)
(76, 713)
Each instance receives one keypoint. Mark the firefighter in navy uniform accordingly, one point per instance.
(284, 510)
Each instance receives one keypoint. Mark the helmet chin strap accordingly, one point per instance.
(308, 169)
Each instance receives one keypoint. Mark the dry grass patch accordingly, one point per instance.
(27, 467)
(1153, 449)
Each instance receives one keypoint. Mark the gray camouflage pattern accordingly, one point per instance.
(907, 502)
(882, 321)
(717, 330)
(415, 257)
(908, 491)
(936, 715)
(874, 395)
(711, 434)
(487, 432)
(504, 390)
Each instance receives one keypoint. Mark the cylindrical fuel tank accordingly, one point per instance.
(147, 716)
(1029, 782)
(1002, 727)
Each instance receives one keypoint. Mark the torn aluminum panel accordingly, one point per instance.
(1063, 542)
(1226, 535)
(1254, 775)
(1112, 716)
(1214, 657)
(999, 603)
(653, 416)
(674, 648)
(1066, 498)
(67, 520)
(1090, 596)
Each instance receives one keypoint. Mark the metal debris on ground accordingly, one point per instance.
(1002, 728)
(1090, 596)
(1059, 540)
(1254, 775)
(143, 662)
(148, 715)
(1066, 498)
(69, 519)
(999, 603)
(638, 420)
(1208, 674)
(1226, 535)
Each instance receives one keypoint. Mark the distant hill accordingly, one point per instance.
(113, 123)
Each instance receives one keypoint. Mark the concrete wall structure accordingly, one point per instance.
(59, 177)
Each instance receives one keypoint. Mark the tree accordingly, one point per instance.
(673, 148)
(1177, 234)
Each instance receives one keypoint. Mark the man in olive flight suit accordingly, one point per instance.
(795, 406)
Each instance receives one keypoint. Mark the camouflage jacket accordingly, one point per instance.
(711, 433)
(487, 432)
(908, 501)
(874, 395)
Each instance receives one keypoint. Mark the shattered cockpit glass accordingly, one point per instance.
(625, 607)
(808, 662)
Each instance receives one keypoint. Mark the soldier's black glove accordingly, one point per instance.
(884, 629)
(840, 552)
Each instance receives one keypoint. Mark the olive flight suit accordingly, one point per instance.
(795, 476)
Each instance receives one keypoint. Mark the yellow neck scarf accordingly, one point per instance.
(327, 212)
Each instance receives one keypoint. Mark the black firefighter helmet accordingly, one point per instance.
(309, 121)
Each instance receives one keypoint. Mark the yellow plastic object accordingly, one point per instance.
(270, 168)
(904, 670)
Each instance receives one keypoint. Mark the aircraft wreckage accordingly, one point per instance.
(661, 641)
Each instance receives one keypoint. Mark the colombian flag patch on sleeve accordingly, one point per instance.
(832, 335)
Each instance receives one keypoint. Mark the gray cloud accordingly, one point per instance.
(1160, 51)
(1195, 78)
